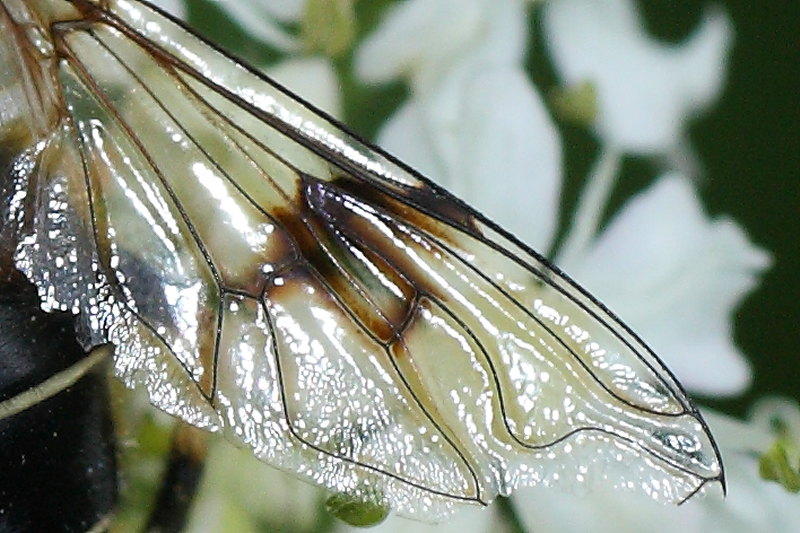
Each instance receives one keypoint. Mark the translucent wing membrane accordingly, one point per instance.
(266, 275)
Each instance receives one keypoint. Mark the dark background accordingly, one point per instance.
(749, 145)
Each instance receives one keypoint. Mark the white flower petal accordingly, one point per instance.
(486, 136)
(752, 503)
(312, 77)
(474, 122)
(767, 410)
(176, 8)
(676, 276)
(600, 511)
(420, 39)
(407, 135)
(646, 90)
(262, 18)
(413, 35)
(240, 493)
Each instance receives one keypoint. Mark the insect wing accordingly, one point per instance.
(265, 274)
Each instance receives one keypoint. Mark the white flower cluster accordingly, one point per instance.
(476, 123)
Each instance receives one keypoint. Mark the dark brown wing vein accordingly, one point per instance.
(447, 209)
(391, 211)
(398, 207)
(393, 314)
(324, 277)
(332, 202)
(349, 292)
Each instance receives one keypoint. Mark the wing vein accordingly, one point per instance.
(88, 79)
(446, 249)
(111, 280)
(319, 449)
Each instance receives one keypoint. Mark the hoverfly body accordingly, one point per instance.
(265, 274)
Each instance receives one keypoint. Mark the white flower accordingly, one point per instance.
(752, 504)
(176, 8)
(312, 77)
(646, 90)
(474, 122)
(424, 40)
(676, 276)
(263, 19)
(240, 493)
(674, 273)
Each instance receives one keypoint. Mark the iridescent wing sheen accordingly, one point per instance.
(265, 274)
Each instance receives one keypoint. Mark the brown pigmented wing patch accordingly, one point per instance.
(267, 275)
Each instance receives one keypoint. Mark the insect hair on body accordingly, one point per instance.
(265, 274)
